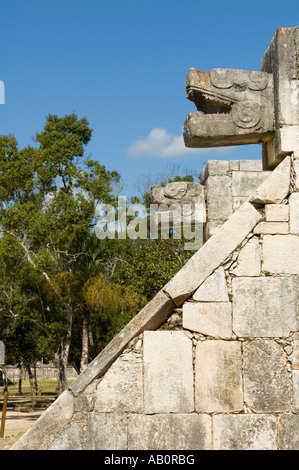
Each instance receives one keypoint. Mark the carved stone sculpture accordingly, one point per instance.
(183, 201)
(179, 192)
(238, 107)
(235, 107)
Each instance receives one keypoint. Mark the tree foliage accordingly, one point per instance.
(63, 292)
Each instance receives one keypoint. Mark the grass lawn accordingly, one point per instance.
(45, 387)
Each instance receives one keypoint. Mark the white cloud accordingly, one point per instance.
(160, 143)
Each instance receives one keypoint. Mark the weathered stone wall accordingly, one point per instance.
(227, 185)
(220, 369)
(224, 186)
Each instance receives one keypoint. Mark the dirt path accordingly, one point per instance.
(19, 418)
(15, 425)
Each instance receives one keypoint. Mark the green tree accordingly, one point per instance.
(63, 290)
(48, 196)
(149, 264)
(24, 321)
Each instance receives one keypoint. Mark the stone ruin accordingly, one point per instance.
(212, 361)
(224, 186)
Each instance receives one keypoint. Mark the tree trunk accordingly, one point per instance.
(20, 379)
(32, 385)
(64, 351)
(85, 340)
(57, 357)
(35, 379)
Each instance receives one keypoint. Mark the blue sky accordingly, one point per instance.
(123, 65)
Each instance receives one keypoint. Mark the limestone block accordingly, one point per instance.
(277, 213)
(249, 260)
(219, 197)
(107, 431)
(121, 388)
(234, 165)
(212, 253)
(238, 201)
(168, 372)
(281, 254)
(218, 376)
(288, 432)
(266, 380)
(295, 391)
(276, 187)
(178, 203)
(287, 139)
(211, 227)
(265, 306)
(213, 289)
(272, 228)
(280, 59)
(296, 170)
(85, 401)
(244, 432)
(71, 438)
(184, 215)
(178, 192)
(169, 432)
(149, 318)
(214, 167)
(251, 165)
(217, 167)
(294, 213)
(244, 183)
(208, 318)
(295, 353)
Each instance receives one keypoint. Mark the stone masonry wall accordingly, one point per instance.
(227, 185)
(221, 370)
